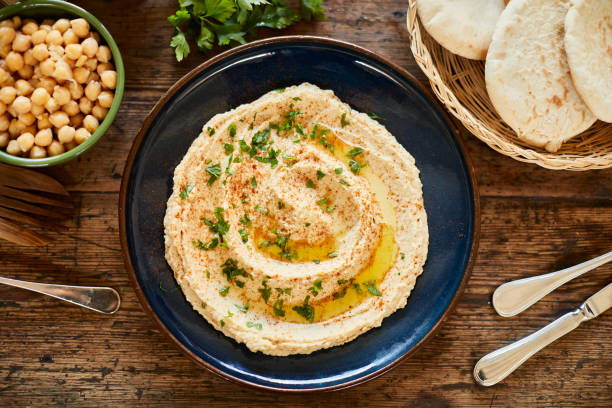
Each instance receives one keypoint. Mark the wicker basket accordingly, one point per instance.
(459, 83)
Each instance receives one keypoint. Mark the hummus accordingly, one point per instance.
(296, 223)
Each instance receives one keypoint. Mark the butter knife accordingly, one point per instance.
(497, 365)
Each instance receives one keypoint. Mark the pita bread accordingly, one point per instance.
(464, 27)
(588, 43)
(527, 75)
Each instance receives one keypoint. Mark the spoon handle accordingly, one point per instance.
(101, 299)
(513, 297)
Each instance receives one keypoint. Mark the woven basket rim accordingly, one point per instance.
(495, 140)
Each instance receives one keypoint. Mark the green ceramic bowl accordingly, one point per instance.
(41, 9)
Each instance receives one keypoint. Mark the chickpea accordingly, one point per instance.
(44, 137)
(28, 58)
(104, 66)
(80, 26)
(59, 119)
(29, 27)
(85, 105)
(4, 76)
(2, 108)
(61, 25)
(71, 108)
(70, 37)
(23, 87)
(7, 23)
(38, 152)
(81, 135)
(4, 122)
(61, 95)
(81, 61)
(14, 61)
(92, 90)
(74, 51)
(77, 120)
(40, 52)
(16, 22)
(26, 72)
(91, 64)
(76, 90)
(54, 37)
(48, 84)
(25, 141)
(27, 118)
(70, 62)
(47, 67)
(90, 123)
(38, 37)
(11, 110)
(55, 148)
(13, 148)
(22, 104)
(5, 50)
(109, 79)
(40, 96)
(21, 42)
(8, 94)
(66, 134)
(46, 25)
(51, 105)
(105, 98)
(43, 122)
(99, 112)
(16, 128)
(62, 72)
(37, 110)
(103, 54)
(7, 35)
(95, 36)
(4, 139)
(56, 51)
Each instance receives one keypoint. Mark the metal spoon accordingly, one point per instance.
(513, 297)
(101, 299)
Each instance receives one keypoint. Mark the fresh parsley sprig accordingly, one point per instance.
(230, 21)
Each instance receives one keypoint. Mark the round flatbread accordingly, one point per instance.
(527, 75)
(464, 27)
(588, 43)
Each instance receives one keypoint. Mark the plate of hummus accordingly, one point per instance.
(297, 214)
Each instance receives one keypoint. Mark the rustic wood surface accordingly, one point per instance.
(533, 221)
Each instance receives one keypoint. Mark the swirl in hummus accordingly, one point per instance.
(296, 223)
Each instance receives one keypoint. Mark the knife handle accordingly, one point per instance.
(498, 364)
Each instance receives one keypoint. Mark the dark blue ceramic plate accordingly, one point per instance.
(369, 84)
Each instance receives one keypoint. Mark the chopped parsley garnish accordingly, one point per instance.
(243, 309)
(332, 254)
(244, 146)
(244, 235)
(223, 292)
(354, 152)
(306, 311)
(229, 163)
(222, 323)
(258, 326)
(371, 285)
(281, 205)
(376, 117)
(313, 134)
(245, 220)
(320, 174)
(185, 193)
(219, 228)
(228, 147)
(296, 98)
(341, 294)
(402, 255)
(232, 130)
(281, 291)
(253, 121)
(310, 184)
(322, 201)
(208, 161)
(272, 157)
(211, 245)
(281, 242)
(307, 224)
(344, 183)
(356, 166)
(259, 140)
(203, 305)
(262, 209)
(265, 291)
(316, 261)
(342, 281)
(357, 288)
(280, 90)
(338, 170)
(277, 307)
(207, 274)
(343, 120)
(214, 171)
(211, 131)
(316, 287)
(254, 182)
(231, 270)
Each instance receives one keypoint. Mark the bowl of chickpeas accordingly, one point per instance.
(61, 82)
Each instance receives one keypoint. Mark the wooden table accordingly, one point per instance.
(533, 221)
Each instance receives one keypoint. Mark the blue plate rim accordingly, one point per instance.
(219, 58)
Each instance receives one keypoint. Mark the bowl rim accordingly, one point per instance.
(64, 6)
(123, 197)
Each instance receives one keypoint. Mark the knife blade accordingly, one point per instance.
(500, 363)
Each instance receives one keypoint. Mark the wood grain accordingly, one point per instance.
(533, 221)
